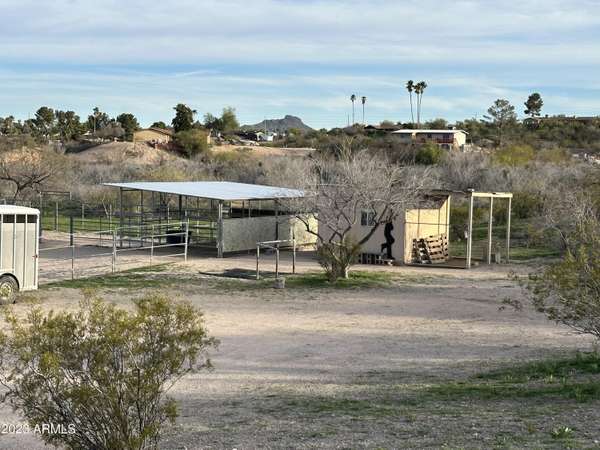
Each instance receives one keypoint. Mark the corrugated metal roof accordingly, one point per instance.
(214, 190)
(14, 209)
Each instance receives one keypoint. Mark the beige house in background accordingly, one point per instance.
(446, 139)
(159, 136)
(153, 136)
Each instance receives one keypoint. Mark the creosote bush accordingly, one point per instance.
(102, 373)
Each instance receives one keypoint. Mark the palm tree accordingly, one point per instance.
(363, 100)
(353, 99)
(419, 89)
(410, 85)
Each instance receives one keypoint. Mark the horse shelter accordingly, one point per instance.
(222, 217)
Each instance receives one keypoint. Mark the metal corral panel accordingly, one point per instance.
(19, 230)
(214, 190)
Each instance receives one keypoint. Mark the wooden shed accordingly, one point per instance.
(421, 235)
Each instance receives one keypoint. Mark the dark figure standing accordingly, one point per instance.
(389, 239)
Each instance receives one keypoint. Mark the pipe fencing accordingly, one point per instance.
(109, 251)
(276, 246)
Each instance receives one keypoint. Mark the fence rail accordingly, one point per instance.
(104, 251)
(276, 246)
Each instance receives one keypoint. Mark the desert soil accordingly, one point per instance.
(341, 368)
(141, 153)
(121, 152)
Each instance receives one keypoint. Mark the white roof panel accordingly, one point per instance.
(14, 209)
(215, 190)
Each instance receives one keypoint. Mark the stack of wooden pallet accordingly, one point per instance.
(431, 249)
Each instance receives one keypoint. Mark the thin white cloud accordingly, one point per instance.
(146, 56)
(184, 31)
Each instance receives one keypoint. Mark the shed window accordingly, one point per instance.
(367, 218)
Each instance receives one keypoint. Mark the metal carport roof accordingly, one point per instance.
(214, 190)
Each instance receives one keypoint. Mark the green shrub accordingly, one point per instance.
(526, 205)
(429, 154)
(193, 142)
(514, 155)
(101, 373)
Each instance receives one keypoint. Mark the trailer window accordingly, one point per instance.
(20, 218)
(9, 218)
(31, 218)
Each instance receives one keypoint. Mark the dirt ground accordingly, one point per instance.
(121, 152)
(341, 368)
(142, 153)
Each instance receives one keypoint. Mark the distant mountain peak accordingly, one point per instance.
(278, 125)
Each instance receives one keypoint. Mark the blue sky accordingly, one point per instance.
(268, 58)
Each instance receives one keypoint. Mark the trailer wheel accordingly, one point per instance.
(8, 289)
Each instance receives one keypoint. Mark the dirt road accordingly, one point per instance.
(301, 368)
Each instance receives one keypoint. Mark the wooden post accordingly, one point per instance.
(508, 230)
(56, 215)
(490, 220)
(470, 231)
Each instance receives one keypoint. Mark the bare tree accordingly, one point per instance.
(28, 168)
(340, 190)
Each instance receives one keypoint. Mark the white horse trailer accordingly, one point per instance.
(19, 248)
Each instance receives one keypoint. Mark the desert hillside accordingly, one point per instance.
(116, 152)
(140, 153)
